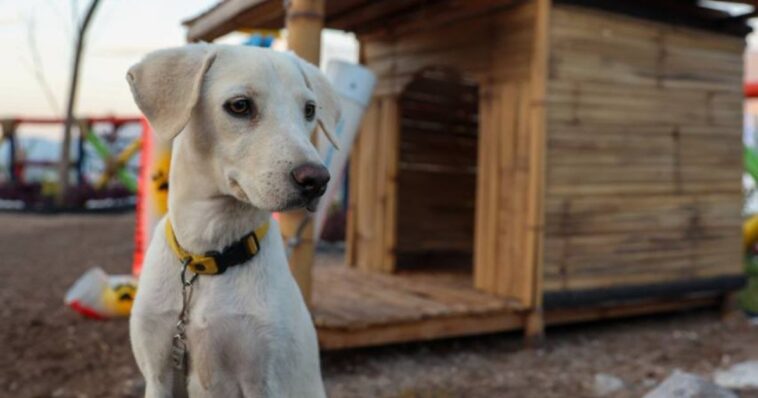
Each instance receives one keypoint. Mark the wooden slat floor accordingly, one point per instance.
(348, 298)
(350, 302)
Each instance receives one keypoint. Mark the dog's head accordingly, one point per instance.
(247, 112)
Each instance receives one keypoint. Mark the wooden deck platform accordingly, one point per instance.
(358, 308)
(354, 308)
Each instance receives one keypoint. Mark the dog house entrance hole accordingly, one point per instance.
(436, 177)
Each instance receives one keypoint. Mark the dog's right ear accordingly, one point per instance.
(166, 85)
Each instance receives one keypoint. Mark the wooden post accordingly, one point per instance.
(83, 131)
(9, 133)
(305, 19)
(534, 327)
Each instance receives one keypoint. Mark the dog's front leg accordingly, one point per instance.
(151, 342)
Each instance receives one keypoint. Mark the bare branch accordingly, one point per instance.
(66, 150)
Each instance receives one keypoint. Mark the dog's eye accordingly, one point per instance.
(310, 110)
(240, 107)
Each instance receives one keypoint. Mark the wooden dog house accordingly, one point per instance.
(527, 162)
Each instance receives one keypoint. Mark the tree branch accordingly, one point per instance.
(66, 150)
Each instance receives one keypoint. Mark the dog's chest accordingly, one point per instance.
(241, 328)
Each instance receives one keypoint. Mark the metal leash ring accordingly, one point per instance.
(183, 273)
(179, 345)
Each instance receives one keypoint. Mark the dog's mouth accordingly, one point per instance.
(296, 202)
(299, 202)
(312, 205)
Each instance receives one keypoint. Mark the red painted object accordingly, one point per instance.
(751, 90)
(140, 233)
(86, 311)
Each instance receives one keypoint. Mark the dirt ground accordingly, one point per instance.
(49, 351)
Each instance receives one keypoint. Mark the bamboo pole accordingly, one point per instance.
(305, 19)
(534, 328)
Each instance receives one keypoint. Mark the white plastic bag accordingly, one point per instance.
(98, 295)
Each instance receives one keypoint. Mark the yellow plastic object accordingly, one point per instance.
(159, 182)
(119, 299)
(750, 231)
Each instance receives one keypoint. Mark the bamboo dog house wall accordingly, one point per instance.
(577, 159)
(639, 147)
(500, 53)
(643, 178)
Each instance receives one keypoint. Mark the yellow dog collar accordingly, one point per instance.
(214, 263)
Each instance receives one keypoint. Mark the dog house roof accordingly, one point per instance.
(371, 16)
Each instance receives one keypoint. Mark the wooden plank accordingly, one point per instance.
(351, 233)
(490, 192)
(577, 216)
(646, 188)
(535, 213)
(587, 255)
(490, 99)
(430, 18)
(365, 181)
(427, 329)
(562, 317)
(508, 264)
(661, 275)
(387, 122)
(614, 25)
(391, 145)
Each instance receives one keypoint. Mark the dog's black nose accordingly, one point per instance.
(311, 178)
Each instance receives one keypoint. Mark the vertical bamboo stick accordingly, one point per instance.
(391, 139)
(534, 324)
(305, 19)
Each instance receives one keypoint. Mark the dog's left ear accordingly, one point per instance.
(166, 85)
(327, 101)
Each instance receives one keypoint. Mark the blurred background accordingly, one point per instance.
(536, 199)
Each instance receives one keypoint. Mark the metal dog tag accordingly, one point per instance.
(179, 352)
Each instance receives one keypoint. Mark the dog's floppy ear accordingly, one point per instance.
(327, 102)
(166, 85)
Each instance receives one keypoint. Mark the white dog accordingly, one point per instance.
(242, 118)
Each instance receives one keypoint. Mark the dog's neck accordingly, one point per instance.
(203, 218)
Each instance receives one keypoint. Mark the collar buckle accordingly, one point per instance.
(253, 245)
(203, 265)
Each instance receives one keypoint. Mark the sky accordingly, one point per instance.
(121, 33)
